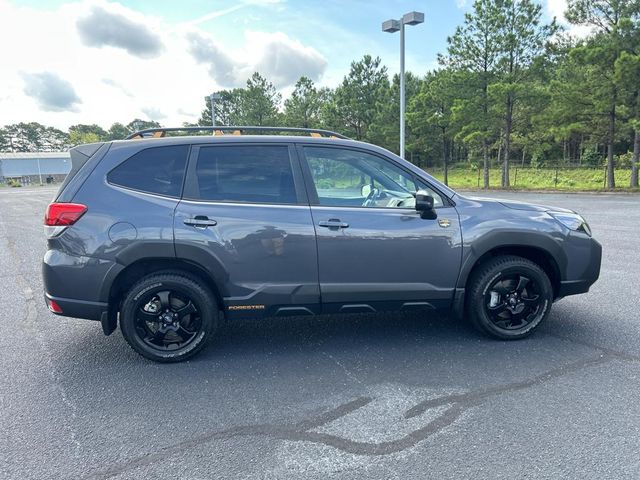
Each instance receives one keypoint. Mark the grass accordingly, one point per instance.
(568, 179)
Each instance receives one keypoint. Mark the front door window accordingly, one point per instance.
(351, 178)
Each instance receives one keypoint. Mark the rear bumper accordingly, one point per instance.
(77, 284)
(585, 259)
(78, 308)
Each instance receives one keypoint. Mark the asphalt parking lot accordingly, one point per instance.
(376, 396)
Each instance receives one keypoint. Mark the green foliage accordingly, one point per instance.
(257, 104)
(624, 160)
(79, 134)
(592, 158)
(510, 91)
(358, 99)
(117, 131)
(139, 124)
(384, 129)
(535, 178)
(32, 137)
(260, 102)
(607, 60)
(302, 108)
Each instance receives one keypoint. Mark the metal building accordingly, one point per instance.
(34, 167)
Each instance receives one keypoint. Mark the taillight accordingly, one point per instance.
(53, 306)
(63, 214)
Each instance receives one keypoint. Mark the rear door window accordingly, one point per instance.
(158, 170)
(245, 173)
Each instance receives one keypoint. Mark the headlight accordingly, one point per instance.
(572, 221)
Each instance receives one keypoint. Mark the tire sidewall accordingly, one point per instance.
(199, 296)
(479, 312)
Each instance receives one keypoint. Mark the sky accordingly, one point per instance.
(100, 61)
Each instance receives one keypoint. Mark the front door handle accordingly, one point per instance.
(200, 221)
(333, 223)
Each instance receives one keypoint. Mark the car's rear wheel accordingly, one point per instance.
(509, 297)
(168, 317)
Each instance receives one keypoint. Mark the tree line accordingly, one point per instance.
(509, 88)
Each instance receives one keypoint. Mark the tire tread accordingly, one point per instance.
(478, 281)
(171, 276)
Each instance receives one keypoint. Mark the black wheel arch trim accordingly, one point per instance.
(510, 241)
(197, 260)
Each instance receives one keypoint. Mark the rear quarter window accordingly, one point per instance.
(158, 170)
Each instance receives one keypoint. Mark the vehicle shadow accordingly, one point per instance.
(332, 350)
(334, 332)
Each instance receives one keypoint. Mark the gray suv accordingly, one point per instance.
(169, 235)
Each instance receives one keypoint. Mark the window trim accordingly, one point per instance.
(313, 193)
(190, 190)
(163, 195)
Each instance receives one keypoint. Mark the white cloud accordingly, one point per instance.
(557, 8)
(52, 93)
(205, 51)
(279, 58)
(128, 77)
(154, 113)
(102, 27)
(284, 60)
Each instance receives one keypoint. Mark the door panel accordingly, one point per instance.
(387, 256)
(374, 250)
(242, 220)
(262, 255)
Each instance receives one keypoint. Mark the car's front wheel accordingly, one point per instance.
(168, 317)
(509, 297)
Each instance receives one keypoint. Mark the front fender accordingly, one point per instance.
(510, 239)
(488, 226)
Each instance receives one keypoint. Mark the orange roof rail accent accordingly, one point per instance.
(234, 130)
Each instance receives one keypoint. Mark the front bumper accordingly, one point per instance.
(583, 269)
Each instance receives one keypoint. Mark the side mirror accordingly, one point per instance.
(425, 204)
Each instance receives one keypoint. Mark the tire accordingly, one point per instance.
(168, 317)
(508, 297)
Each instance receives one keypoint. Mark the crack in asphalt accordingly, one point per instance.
(303, 431)
(473, 398)
(346, 371)
(627, 357)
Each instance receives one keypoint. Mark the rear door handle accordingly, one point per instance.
(200, 221)
(333, 223)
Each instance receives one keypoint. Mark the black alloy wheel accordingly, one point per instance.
(508, 297)
(168, 317)
(512, 301)
(167, 320)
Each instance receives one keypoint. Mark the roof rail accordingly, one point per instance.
(220, 130)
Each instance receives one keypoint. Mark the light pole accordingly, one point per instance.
(213, 97)
(392, 26)
(39, 171)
